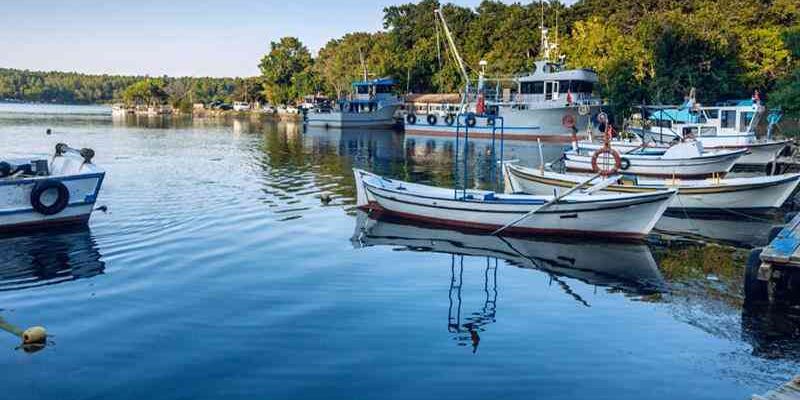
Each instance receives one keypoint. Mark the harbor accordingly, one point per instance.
(567, 199)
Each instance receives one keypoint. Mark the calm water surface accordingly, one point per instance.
(218, 272)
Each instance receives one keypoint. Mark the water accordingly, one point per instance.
(219, 272)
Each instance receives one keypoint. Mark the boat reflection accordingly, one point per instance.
(48, 258)
(626, 267)
(736, 229)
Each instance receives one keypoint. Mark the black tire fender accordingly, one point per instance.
(61, 201)
(431, 119)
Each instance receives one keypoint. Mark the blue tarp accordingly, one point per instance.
(676, 115)
(376, 82)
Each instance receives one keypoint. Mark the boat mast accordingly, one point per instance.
(363, 64)
(453, 48)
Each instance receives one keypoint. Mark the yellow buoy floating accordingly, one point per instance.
(34, 335)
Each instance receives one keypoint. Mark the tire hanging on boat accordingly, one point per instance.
(411, 119)
(470, 120)
(624, 164)
(58, 205)
(432, 119)
(449, 119)
(490, 121)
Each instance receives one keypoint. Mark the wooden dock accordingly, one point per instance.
(788, 391)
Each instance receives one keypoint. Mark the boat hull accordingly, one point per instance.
(17, 213)
(657, 166)
(381, 118)
(760, 152)
(618, 217)
(528, 124)
(741, 194)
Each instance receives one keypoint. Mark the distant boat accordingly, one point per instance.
(241, 106)
(120, 109)
(373, 105)
(730, 126)
(550, 103)
(42, 193)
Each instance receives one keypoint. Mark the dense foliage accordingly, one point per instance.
(650, 51)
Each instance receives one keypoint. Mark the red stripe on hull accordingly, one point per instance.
(50, 223)
(506, 137)
(512, 231)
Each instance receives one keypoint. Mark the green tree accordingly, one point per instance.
(286, 70)
(787, 94)
(148, 91)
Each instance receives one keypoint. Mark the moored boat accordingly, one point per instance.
(629, 216)
(729, 126)
(760, 193)
(36, 193)
(372, 106)
(683, 160)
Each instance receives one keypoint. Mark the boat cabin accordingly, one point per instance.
(733, 118)
(551, 83)
(370, 95)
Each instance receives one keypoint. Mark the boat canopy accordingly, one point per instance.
(683, 115)
(546, 71)
(376, 82)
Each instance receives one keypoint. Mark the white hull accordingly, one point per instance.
(529, 124)
(760, 152)
(653, 165)
(743, 194)
(615, 216)
(381, 118)
(82, 183)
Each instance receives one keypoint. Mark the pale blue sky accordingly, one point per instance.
(173, 37)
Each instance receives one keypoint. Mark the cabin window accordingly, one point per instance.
(712, 114)
(531, 87)
(744, 123)
(706, 131)
(548, 90)
(362, 89)
(580, 87)
(690, 132)
(728, 119)
(564, 86)
(383, 89)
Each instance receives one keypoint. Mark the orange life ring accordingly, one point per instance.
(613, 153)
(568, 121)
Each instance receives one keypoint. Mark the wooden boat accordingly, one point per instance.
(743, 194)
(36, 193)
(683, 160)
(626, 266)
(629, 216)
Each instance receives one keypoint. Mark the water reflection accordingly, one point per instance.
(48, 258)
(735, 229)
(620, 267)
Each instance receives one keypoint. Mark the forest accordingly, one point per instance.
(645, 51)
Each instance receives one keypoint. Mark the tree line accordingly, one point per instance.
(76, 88)
(645, 51)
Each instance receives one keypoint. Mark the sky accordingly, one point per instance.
(172, 37)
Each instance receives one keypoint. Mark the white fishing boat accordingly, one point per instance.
(613, 216)
(730, 126)
(241, 106)
(760, 193)
(683, 160)
(372, 105)
(549, 103)
(36, 193)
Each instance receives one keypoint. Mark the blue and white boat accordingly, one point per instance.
(728, 126)
(372, 105)
(43, 193)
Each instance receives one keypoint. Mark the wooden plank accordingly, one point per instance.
(785, 248)
(788, 391)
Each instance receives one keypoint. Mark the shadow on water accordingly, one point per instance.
(50, 258)
(628, 268)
